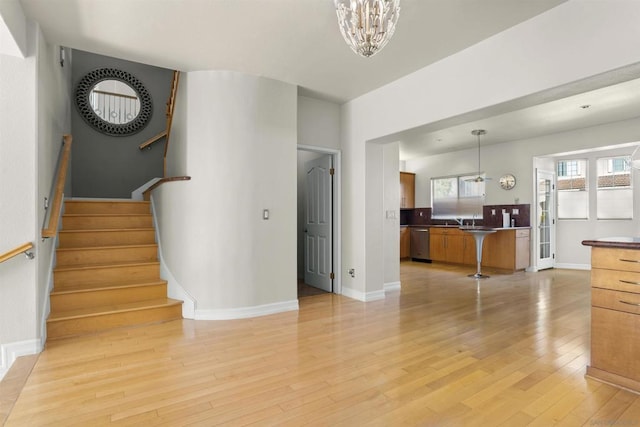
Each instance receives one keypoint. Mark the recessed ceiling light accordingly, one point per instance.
(585, 106)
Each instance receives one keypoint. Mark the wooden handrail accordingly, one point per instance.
(54, 218)
(147, 193)
(17, 251)
(170, 107)
(148, 142)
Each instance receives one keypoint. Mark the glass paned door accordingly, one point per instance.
(546, 220)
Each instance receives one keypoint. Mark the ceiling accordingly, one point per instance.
(298, 42)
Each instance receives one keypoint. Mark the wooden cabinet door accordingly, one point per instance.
(407, 190)
(615, 342)
(405, 242)
(437, 246)
(455, 248)
(499, 250)
(469, 249)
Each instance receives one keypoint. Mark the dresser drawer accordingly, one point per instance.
(616, 300)
(626, 281)
(615, 259)
(615, 342)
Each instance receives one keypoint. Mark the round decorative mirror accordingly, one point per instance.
(113, 102)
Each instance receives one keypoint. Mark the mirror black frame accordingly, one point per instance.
(83, 90)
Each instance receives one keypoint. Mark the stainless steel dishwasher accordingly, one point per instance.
(420, 244)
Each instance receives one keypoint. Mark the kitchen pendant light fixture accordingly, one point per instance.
(367, 25)
(479, 177)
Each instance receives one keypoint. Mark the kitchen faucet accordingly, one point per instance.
(460, 221)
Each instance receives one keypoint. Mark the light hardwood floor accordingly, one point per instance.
(445, 350)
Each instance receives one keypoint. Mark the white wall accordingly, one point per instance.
(237, 139)
(318, 123)
(54, 120)
(392, 222)
(34, 114)
(573, 41)
(18, 183)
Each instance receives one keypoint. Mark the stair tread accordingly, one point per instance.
(112, 308)
(105, 265)
(106, 286)
(95, 214)
(114, 247)
(110, 230)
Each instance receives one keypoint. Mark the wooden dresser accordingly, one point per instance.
(615, 311)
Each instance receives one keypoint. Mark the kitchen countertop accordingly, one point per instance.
(458, 227)
(614, 242)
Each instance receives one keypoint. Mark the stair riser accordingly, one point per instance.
(105, 275)
(106, 238)
(80, 256)
(76, 207)
(92, 324)
(98, 298)
(105, 222)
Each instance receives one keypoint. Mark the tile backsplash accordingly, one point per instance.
(492, 214)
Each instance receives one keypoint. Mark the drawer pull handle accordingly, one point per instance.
(636, 304)
(629, 260)
(629, 282)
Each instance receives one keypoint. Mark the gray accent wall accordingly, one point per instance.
(108, 166)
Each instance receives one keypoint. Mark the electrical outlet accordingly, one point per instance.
(493, 211)
(515, 211)
(352, 272)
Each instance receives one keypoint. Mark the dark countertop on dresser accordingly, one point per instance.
(614, 242)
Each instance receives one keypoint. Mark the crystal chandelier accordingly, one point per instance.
(367, 25)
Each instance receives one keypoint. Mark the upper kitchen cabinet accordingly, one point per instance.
(407, 190)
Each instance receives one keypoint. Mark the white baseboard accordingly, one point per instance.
(362, 296)
(11, 351)
(569, 266)
(392, 286)
(246, 312)
(174, 289)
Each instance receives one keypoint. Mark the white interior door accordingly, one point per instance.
(546, 219)
(318, 268)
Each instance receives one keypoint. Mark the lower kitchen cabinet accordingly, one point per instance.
(405, 242)
(446, 244)
(615, 316)
(507, 249)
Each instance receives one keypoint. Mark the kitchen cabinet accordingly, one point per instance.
(446, 245)
(469, 249)
(615, 316)
(407, 190)
(507, 249)
(405, 242)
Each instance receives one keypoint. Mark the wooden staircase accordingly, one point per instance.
(107, 272)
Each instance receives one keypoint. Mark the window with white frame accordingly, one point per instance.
(573, 189)
(459, 196)
(614, 196)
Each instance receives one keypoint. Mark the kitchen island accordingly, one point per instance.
(506, 249)
(615, 311)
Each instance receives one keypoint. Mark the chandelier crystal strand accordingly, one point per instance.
(367, 25)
